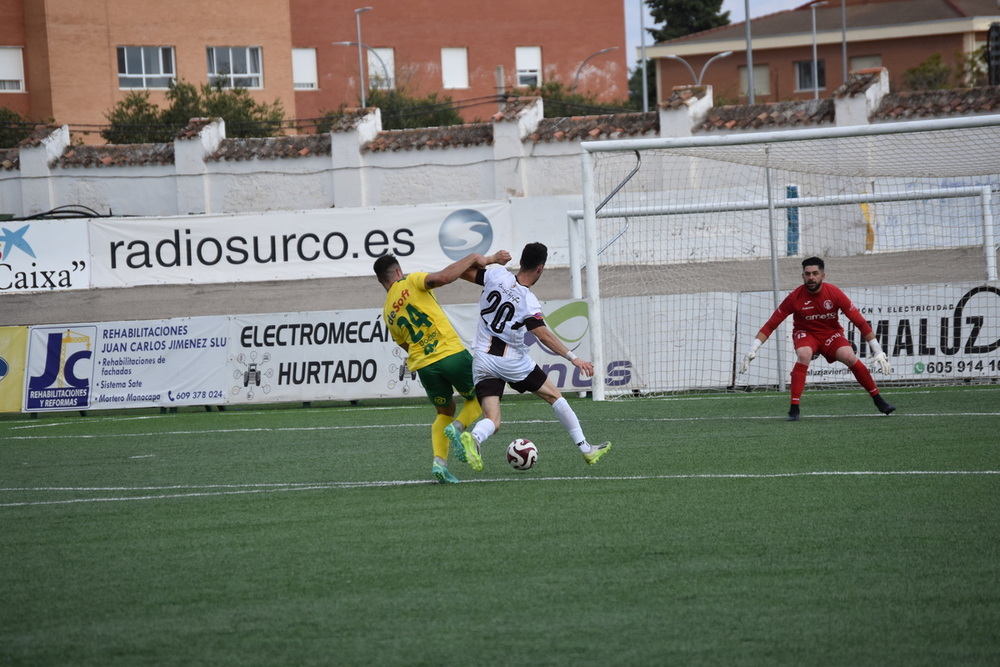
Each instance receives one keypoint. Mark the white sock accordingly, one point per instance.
(570, 422)
(483, 429)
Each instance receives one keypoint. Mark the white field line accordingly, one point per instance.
(75, 421)
(265, 429)
(202, 491)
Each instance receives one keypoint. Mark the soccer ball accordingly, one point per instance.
(522, 454)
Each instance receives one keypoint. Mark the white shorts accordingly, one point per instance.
(508, 369)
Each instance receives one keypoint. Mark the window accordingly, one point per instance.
(145, 66)
(11, 70)
(804, 75)
(304, 69)
(454, 67)
(235, 66)
(382, 68)
(529, 65)
(761, 80)
(865, 62)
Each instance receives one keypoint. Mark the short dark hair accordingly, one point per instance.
(385, 266)
(814, 261)
(534, 255)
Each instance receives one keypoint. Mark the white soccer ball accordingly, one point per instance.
(522, 454)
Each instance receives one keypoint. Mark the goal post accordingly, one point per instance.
(684, 246)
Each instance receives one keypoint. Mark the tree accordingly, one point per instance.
(136, 120)
(685, 17)
(635, 84)
(400, 111)
(244, 117)
(932, 74)
(973, 68)
(13, 128)
(559, 102)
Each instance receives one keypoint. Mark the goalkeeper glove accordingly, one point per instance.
(750, 355)
(878, 357)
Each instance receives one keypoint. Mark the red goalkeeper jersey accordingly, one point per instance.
(817, 314)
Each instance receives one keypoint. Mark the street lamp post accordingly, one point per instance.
(579, 69)
(813, 7)
(746, 14)
(385, 68)
(361, 61)
(843, 37)
(642, 37)
(697, 78)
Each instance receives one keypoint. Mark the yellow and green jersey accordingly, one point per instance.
(415, 319)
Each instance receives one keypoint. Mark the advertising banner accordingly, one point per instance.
(568, 320)
(349, 355)
(343, 355)
(60, 368)
(44, 255)
(669, 342)
(13, 344)
(289, 245)
(928, 332)
(126, 364)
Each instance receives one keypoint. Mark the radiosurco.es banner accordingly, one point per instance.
(289, 245)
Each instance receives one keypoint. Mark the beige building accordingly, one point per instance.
(81, 58)
(849, 35)
(71, 61)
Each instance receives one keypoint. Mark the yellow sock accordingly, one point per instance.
(439, 441)
(470, 412)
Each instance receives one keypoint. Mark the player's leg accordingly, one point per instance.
(489, 391)
(459, 371)
(565, 413)
(804, 352)
(844, 353)
(439, 391)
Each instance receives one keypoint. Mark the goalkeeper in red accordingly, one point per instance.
(816, 330)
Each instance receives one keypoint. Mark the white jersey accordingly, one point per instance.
(503, 308)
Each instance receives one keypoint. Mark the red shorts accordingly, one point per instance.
(828, 347)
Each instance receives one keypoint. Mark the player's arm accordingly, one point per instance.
(865, 329)
(550, 340)
(464, 268)
(473, 273)
(879, 357)
(777, 317)
(453, 271)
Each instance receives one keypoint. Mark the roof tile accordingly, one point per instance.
(117, 155)
(448, 136)
(931, 103)
(775, 115)
(612, 126)
(10, 159)
(681, 96)
(38, 135)
(193, 128)
(272, 148)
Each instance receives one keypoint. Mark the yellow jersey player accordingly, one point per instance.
(435, 352)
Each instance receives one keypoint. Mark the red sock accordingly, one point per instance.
(864, 378)
(798, 381)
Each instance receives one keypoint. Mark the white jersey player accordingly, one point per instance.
(507, 310)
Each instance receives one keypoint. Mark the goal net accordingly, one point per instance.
(689, 244)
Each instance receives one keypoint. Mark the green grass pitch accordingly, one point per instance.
(713, 533)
